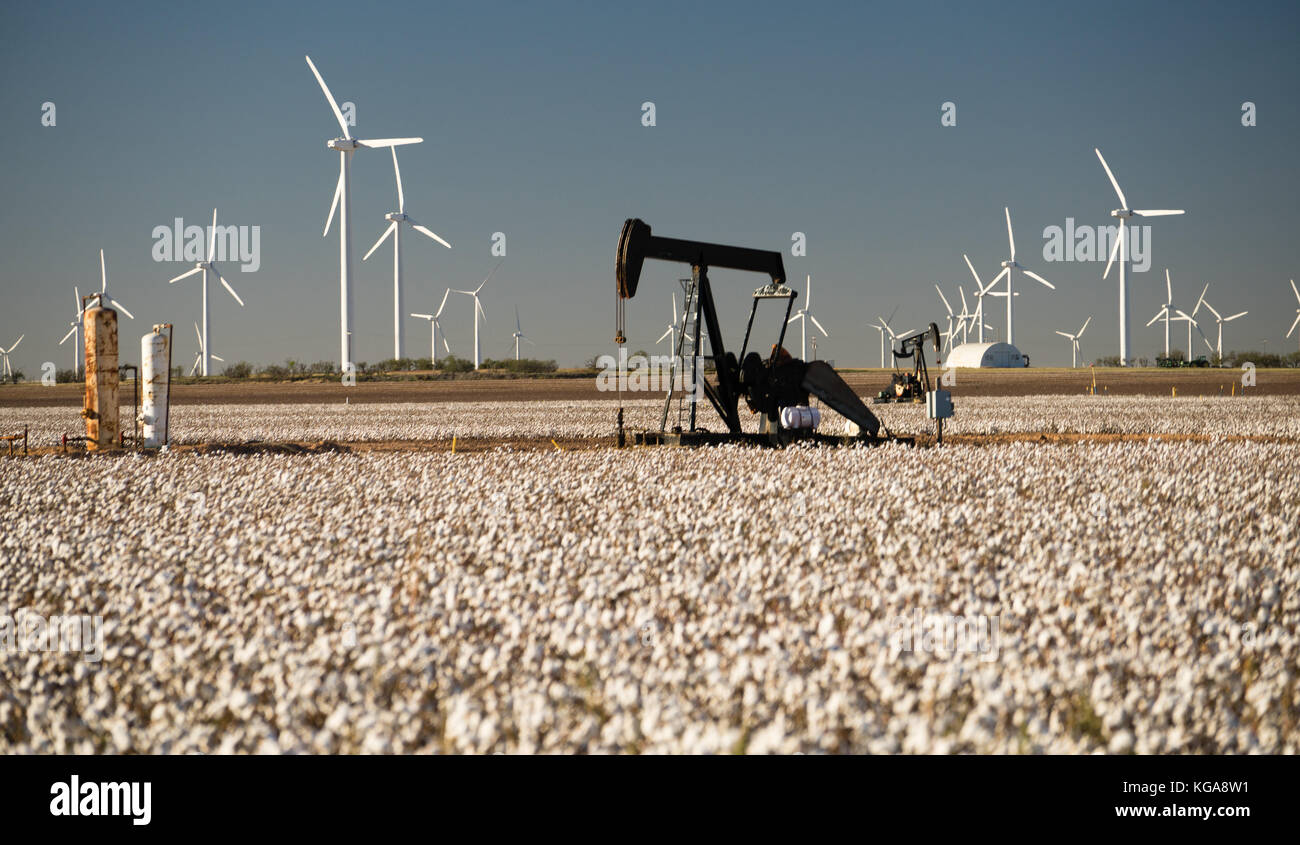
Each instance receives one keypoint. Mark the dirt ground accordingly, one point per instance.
(1190, 382)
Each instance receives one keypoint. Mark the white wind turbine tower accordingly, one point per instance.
(1074, 341)
(1297, 311)
(103, 288)
(1220, 320)
(518, 334)
(8, 371)
(206, 267)
(803, 315)
(75, 332)
(1191, 321)
(434, 325)
(397, 218)
(1123, 213)
(478, 310)
(345, 147)
(204, 355)
(1009, 268)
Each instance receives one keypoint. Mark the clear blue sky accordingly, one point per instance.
(772, 118)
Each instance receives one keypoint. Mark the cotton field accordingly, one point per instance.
(1123, 597)
(1271, 416)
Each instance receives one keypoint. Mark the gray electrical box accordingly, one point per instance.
(938, 404)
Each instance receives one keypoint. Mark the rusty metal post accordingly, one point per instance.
(101, 404)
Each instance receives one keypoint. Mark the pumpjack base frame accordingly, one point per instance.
(749, 438)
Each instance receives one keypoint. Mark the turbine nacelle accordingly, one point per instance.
(397, 217)
(1124, 213)
(342, 145)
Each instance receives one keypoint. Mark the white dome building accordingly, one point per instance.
(986, 355)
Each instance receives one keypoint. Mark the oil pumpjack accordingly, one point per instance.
(768, 385)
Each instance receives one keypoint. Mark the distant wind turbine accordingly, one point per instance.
(396, 219)
(8, 371)
(518, 334)
(1074, 341)
(478, 310)
(434, 325)
(803, 315)
(206, 267)
(1120, 249)
(75, 332)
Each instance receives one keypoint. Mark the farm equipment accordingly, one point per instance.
(768, 385)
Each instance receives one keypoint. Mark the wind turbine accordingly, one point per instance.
(205, 267)
(518, 334)
(1074, 342)
(1297, 311)
(1164, 312)
(75, 333)
(397, 218)
(434, 326)
(345, 147)
(893, 359)
(1220, 320)
(1123, 213)
(671, 331)
(204, 355)
(103, 288)
(478, 309)
(803, 315)
(1009, 268)
(8, 371)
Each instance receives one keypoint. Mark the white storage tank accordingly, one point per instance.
(155, 377)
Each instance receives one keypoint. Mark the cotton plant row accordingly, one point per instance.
(1138, 596)
(1277, 417)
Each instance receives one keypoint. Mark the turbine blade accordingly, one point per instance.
(945, 300)
(978, 283)
(1063, 334)
(380, 143)
(818, 325)
(343, 124)
(185, 275)
(16, 342)
(1201, 301)
(1037, 278)
(667, 332)
(518, 327)
(119, 306)
(397, 171)
(1085, 326)
(217, 358)
(1158, 315)
(443, 305)
(422, 316)
(70, 333)
(1011, 239)
(338, 192)
(1169, 288)
(1005, 271)
(212, 237)
(422, 230)
(445, 346)
(1216, 314)
(1297, 292)
(1234, 316)
(1157, 212)
(199, 336)
(103, 273)
(1293, 325)
(489, 275)
(1114, 183)
(231, 290)
(1114, 251)
(382, 238)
